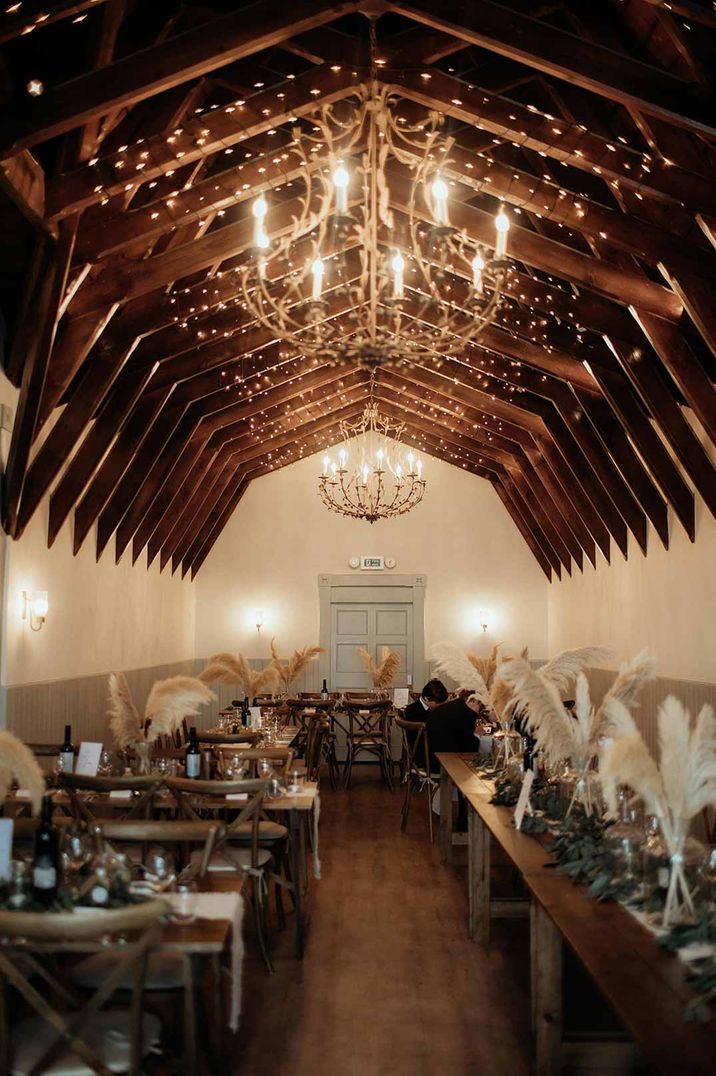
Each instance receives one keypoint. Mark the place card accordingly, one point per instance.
(242, 796)
(88, 758)
(6, 825)
(120, 794)
(524, 798)
(401, 697)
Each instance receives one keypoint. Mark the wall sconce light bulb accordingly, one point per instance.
(35, 606)
(259, 615)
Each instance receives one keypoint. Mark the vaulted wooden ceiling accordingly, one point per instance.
(148, 402)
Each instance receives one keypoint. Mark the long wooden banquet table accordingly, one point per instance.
(644, 985)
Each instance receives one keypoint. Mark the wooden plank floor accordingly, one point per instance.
(390, 984)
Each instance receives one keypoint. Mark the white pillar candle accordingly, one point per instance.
(478, 265)
(260, 210)
(440, 194)
(340, 182)
(502, 226)
(398, 265)
(317, 270)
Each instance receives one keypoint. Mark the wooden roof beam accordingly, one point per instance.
(214, 131)
(181, 58)
(616, 76)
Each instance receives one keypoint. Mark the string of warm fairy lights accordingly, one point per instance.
(145, 157)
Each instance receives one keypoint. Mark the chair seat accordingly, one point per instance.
(269, 833)
(237, 859)
(107, 1033)
(164, 972)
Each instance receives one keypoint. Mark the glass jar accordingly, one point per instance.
(625, 840)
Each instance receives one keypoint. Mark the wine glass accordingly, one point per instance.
(104, 769)
(185, 903)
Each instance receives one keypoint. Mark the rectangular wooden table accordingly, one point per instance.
(645, 985)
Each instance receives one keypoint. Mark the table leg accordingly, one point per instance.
(478, 878)
(191, 1043)
(295, 852)
(546, 976)
(445, 817)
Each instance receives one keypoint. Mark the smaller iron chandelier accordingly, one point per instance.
(374, 477)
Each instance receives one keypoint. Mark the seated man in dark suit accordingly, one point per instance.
(451, 727)
(433, 694)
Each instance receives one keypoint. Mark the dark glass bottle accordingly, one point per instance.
(245, 713)
(193, 755)
(324, 691)
(67, 751)
(46, 860)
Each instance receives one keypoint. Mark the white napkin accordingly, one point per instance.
(228, 906)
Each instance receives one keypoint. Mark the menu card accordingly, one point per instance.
(88, 758)
(401, 697)
(524, 798)
(6, 825)
(255, 712)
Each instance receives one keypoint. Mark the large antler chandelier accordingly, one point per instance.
(374, 478)
(351, 279)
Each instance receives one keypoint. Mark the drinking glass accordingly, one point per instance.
(185, 903)
(161, 767)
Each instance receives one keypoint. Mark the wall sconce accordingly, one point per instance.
(259, 615)
(484, 617)
(34, 608)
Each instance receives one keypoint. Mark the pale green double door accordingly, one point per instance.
(372, 625)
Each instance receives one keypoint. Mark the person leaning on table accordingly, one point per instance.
(433, 694)
(451, 727)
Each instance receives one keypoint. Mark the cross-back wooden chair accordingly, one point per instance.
(212, 738)
(279, 757)
(76, 1037)
(316, 740)
(166, 971)
(244, 856)
(416, 752)
(89, 796)
(368, 734)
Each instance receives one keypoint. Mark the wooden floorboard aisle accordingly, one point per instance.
(389, 984)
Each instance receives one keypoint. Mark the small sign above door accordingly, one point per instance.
(375, 564)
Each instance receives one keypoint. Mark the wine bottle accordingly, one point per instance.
(324, 691)
(46, 860)
(193, 755)
(246, 713)
(67, 752)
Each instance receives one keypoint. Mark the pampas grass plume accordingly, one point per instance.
(17, 763)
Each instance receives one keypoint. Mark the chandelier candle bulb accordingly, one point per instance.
(440, 195)
(317, 270)
(326, 464)
(478, 264)
(340, 182)
(398, 265)
(259, 210)
(365, 474)
(502, 225)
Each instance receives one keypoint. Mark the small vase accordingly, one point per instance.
(143, 752)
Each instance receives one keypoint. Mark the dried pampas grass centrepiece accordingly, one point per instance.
(17, 763)
(226, 669)
(451, 661)
(124, 720)
(560, 735)
(169, 702)
(675, 790)
(296, 663)
(383, 674)
(487, 667)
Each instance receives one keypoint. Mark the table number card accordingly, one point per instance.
(255, 712)
(6, 825)
(88, 758)
(401, 697)
(524, 798)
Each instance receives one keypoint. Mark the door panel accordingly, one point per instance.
(351, 622)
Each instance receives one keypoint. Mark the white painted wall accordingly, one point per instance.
(281, 537)
(102, 616)
(664, 600)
